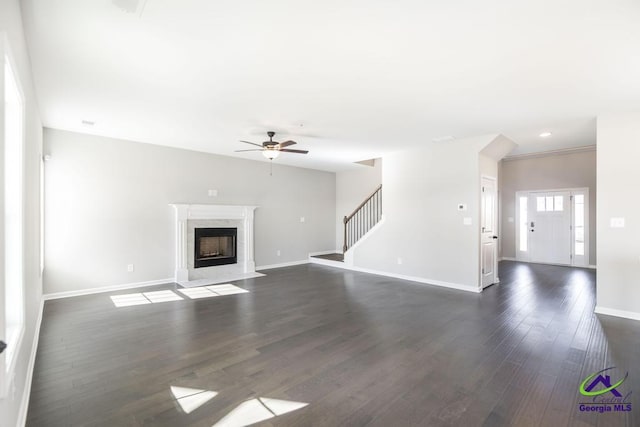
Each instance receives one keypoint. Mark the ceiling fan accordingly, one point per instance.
(272, 149)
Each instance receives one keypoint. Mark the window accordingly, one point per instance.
(558, 203)
(549, 203)
(523, 224)
(578, 238)
(13, 202)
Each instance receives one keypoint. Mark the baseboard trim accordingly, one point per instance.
(591, 266)
(26, 394)
(323, 261)
(329, 252)
(69, 294)
(420, 280)
(283, 264)
(617, 313)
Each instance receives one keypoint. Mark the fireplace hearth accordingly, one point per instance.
(215, 246)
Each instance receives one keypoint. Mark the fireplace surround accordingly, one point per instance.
(191, 217)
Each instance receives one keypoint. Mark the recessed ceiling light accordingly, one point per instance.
(88, 122)
(545, 134)
(447, 138)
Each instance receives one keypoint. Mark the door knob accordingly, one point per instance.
(3, 345)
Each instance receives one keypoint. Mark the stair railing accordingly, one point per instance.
(362, 219)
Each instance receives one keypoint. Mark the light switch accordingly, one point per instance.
(301, 219)
(617, 222)
(213, 193)
(466, 220)
(510, 219)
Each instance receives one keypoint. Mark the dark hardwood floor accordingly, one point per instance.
(360, 349)
(331, 257)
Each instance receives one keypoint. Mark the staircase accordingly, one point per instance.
(356, 225)
(362, 219)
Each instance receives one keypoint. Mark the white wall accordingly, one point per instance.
(422, 226)
(618, 282)
(566, 170)
(11, 27)
(352, 187)
(107, 205)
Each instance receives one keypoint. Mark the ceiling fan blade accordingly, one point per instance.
(287, 143)
(241, 151)
(286, 150)
(252, 143)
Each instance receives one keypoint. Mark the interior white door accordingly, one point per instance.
(549, 217)
(489, 238)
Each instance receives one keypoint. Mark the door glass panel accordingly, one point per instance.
(549, 203)
(540, 204)
(578, 235)
(523, 224)
(558, 203)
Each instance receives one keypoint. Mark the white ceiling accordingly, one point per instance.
(348, 80)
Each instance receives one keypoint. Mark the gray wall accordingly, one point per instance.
(352, 187)
(618, 286)
(107, 205)
(11, 27)
(569, 170)
(421, 191)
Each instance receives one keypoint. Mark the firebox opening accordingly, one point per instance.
(215, 246)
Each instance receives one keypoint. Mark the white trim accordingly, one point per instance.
(496, 279)
(185, 213)
(348, 255)
(323, 261)
(591, 266)
(68, 294)
(325, 252)
(524, 257)
(26, 393)
(420, 280)
(551, 153)
(617, 313)
(283, 264)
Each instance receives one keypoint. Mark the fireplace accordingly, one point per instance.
(215, 246)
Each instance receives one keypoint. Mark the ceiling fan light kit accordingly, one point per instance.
(271, 153)
(271, 149)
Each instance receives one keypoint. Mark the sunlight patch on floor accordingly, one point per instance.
(138, 298)
(191, 399)
(129, 299)
(256, 410)
(212, 291)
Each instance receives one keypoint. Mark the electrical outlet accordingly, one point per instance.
(213, 193)
(278, 252)
(617, 223)
(466, 220)
(130, 268)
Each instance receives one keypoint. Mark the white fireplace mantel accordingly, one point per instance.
(184, 213)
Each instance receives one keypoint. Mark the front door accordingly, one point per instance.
(549, 227)
(489, 242)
